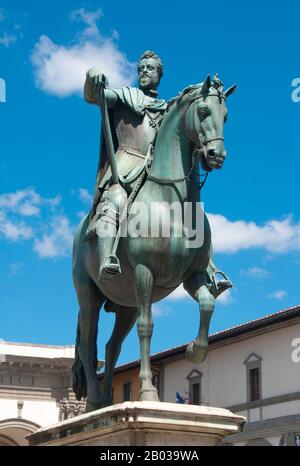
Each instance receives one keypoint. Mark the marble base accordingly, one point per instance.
(143, 423)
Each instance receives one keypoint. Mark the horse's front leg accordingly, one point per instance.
(143, 289)
(197, 287)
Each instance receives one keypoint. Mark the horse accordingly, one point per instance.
(152, 267)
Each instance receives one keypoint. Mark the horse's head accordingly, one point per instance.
(204, 107)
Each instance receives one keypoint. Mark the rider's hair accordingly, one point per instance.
(151, 54)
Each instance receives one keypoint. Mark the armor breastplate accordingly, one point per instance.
(134, 131)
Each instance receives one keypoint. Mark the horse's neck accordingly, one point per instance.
(173, 153)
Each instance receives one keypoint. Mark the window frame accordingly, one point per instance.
(126, 384)
(253, 362)
(195, 378)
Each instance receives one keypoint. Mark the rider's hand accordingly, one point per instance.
(94, 78)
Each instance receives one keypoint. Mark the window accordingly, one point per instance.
(127, 391)
(195, 393)
(194, 379)
(254, 389)
(253, 376)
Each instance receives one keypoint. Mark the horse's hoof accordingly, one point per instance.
(196, 352)
(149, 395)
(90, 406)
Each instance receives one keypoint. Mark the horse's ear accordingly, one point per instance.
(230, 90)
(206, 85)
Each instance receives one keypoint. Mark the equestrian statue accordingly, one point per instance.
(151, 152)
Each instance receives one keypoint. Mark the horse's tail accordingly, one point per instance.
(79, 377)
(78, 372)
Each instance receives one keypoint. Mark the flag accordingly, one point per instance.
(179, 398)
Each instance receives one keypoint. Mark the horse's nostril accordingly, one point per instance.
(211, 153)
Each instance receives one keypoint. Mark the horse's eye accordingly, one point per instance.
(203, 112)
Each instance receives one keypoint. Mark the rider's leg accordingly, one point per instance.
(107, 228)
(106, 234)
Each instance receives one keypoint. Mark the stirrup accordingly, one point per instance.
(110, 268)
(220, 286)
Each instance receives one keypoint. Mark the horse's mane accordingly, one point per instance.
(186, 90)
(215, 83)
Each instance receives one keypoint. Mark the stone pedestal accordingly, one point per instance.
(143, 423)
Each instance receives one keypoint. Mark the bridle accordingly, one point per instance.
(200, 146)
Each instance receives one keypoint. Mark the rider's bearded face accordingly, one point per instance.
(148, 74)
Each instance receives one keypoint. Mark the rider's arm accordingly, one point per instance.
(92, 90)
(111, 98)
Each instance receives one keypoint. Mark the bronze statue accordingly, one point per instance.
(154, 152)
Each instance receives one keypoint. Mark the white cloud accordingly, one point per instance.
(225, 298)
(7, 39)
(85, 196)
(14, 230)
(90, 18)
(15, 267)
(160, 310)
(25, 214)
(57, 241)
(256, 272)
(26, 202)
(277, 294)
(277, 236)
(61, 69)
(178, 294)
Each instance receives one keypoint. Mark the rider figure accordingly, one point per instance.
(135, 115)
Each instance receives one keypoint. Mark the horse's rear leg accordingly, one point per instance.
(125, 319)
(90, 301)
(197, 287)
(143, 290)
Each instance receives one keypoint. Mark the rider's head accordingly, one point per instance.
(150, 71)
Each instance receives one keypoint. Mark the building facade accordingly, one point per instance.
(252, 369)
(35, 389)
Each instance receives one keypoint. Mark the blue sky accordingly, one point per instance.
(49, 148)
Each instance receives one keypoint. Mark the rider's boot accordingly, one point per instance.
(217, 287)
(109, 265)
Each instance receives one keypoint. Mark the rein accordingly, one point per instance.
(202, 147)
(162, 180)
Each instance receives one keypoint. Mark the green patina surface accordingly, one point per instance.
(151, 152)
